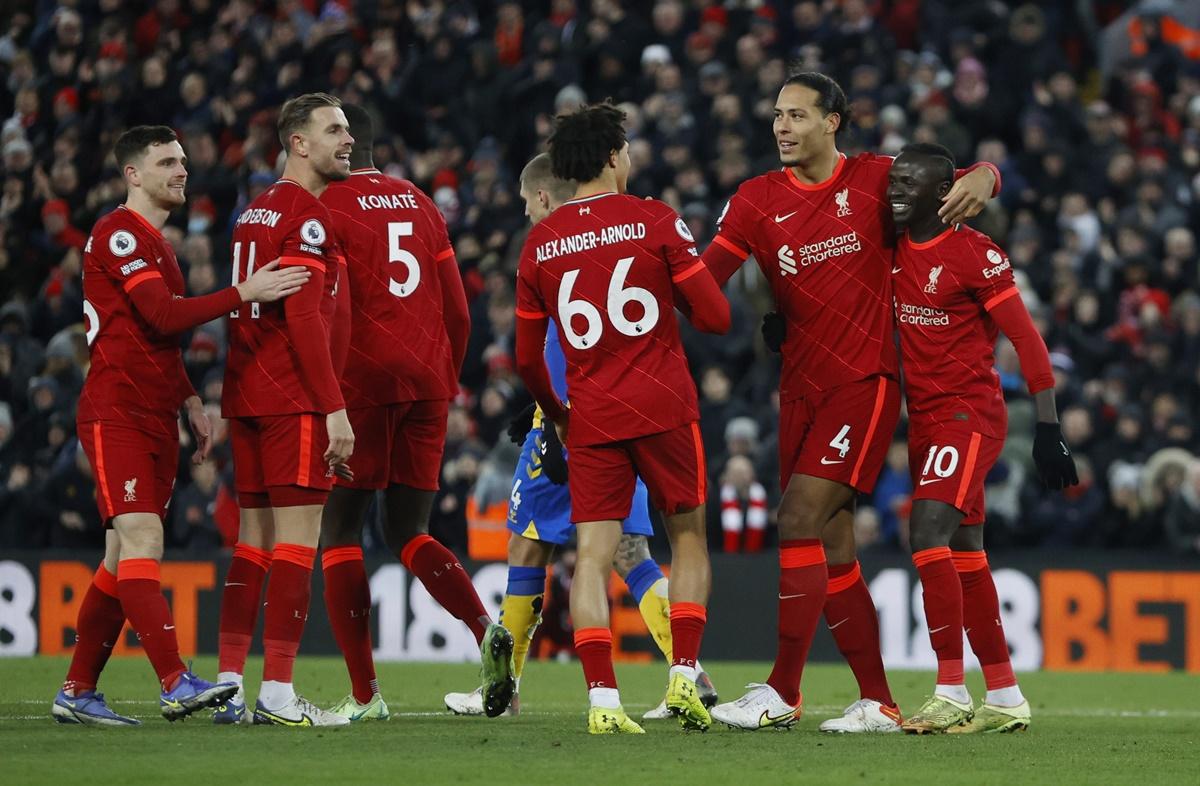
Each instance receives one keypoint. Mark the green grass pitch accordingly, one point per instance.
(1087, 728)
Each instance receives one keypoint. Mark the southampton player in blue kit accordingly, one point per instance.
(539, 508)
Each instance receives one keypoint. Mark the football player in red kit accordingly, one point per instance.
(608, 267)
(128, 420)
(410, 325)
(288, 424)
(822, 234)
(954, 292)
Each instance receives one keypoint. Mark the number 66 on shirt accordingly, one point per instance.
(609, 268)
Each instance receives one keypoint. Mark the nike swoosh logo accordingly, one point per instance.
(168, 627)
(925, 482)
(766, 720)
(827, 461)
(789, 597)
(896, 269)
(831, 627)
(235, 584)
(938, 630)
(780, 219)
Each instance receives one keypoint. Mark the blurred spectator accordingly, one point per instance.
(1098, 145)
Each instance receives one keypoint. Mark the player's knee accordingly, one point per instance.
(141, 536)
(526, 553)
(967, 539)
(799, 520)
(932, 525)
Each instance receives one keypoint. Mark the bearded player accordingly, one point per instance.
(128, 421)
(823, 237)
(288, 424)
(410, 326)
(539, 508)
(954, 292)
(609, 266)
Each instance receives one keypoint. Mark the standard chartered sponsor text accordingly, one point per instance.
(821, 250)
(923, 316)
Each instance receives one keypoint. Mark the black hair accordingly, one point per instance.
(831, 99)
(582, 141)
(362, 127)
(132, 144)
(940, 155)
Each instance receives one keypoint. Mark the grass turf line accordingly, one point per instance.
(1087, 728)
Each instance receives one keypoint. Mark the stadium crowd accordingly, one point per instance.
(1097, 138)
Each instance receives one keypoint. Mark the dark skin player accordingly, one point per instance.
(917, 185)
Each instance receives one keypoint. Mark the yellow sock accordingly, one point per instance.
(656, 611)
(521, 614)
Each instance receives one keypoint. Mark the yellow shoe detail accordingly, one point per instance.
(683, 700)
(602, 720)
(939, 714)
(992, 719)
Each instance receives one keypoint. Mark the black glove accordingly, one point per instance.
(774, 330)
(519, 426)
(1053, 458)
(554, 460)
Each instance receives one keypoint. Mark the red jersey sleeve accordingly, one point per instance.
(729, 247)
(989, 278)
(707, 308)
(454, 297)
(532, 321)
(302, 245)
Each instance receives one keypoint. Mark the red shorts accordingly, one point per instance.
(398, 444)
(949, 465)
(671, 464)
(841, 434)
(134, 470)
(280, 458)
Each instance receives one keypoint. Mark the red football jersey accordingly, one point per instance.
(394, 238)
(826, 249)
(944, 290)
(265, 371)
(602, 268)
(137, 375)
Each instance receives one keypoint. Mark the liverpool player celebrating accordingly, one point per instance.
(823, 237)
(609, 266)
(127, 421)
(539, 508)
(288, 423)
(410, 328)
(954, 290)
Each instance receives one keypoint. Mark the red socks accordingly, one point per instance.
(802, 585)
(981, 618)
(288, 594)
(446, 580)
(140, 590)
(348, 603)
(854, 623)
(594, 648)
(240, 599)
(96, 632)
(687, 628)
(943, 611)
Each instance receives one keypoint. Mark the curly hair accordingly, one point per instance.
(582, 141)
